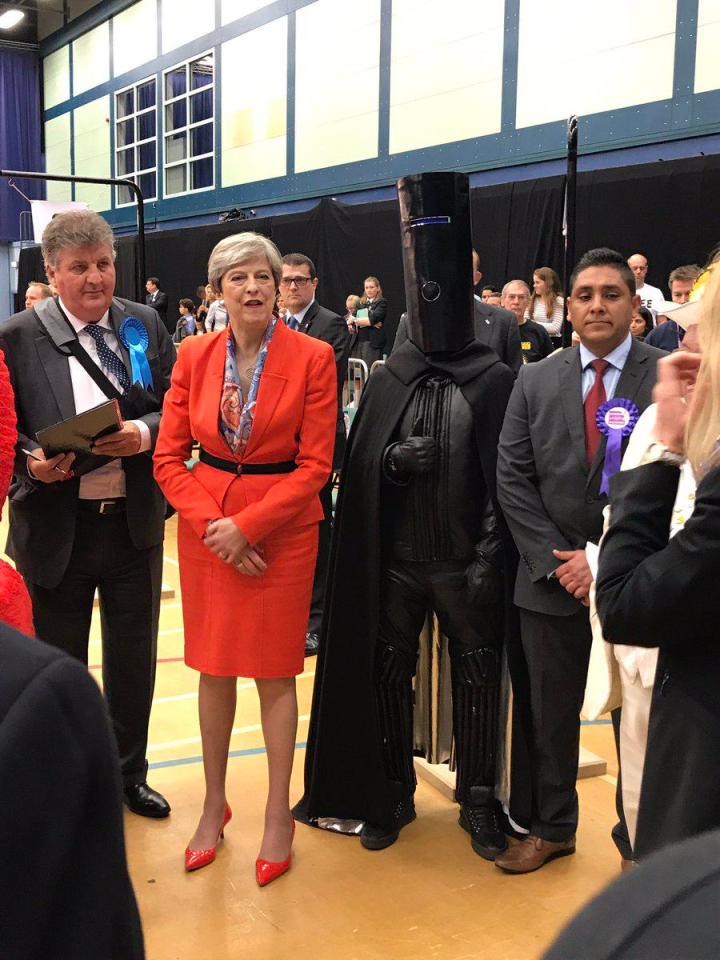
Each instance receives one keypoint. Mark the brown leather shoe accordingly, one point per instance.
(532, 853)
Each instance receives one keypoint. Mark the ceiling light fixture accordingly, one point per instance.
(11, 18)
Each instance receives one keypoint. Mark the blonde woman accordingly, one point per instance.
(546, 303)
(261, 400)
(653, 591)
(370, 345)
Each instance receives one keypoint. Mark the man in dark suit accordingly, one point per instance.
(304, 313)
(103, 527)
(550, 465)
(61, 829)
(158, 301)
(493, 325)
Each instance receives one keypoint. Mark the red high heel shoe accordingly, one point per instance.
(195, 859)
(266, 871)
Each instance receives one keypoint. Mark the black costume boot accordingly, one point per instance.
(480, 819)
(476, 691)
(377, 838)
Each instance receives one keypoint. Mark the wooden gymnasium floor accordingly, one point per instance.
(428, 896)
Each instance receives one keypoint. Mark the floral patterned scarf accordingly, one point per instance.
(236, 413)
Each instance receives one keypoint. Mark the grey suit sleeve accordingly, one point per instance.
(533, 531)
(401, 334)
(513, 350)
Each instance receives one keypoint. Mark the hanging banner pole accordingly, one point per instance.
(109, 182)
(570, 220)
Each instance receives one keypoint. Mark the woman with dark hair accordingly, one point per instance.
(642, 323)
(261, 400)
(369, 320)
(546, 303)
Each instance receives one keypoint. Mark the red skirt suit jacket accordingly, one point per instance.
(237, 625)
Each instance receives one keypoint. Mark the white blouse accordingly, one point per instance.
(552, 324)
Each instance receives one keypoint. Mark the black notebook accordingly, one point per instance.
(78, 434)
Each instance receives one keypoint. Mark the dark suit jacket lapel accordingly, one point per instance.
(53, 354)
(307, 320)
(570, 387)
(631, 380)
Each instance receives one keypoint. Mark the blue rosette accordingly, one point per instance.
(615, 419)
(135, 337)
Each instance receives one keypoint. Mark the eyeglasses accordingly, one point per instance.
(298, 281)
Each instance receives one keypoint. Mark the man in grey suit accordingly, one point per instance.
(550, 466)
(78, 526)
(493, 325)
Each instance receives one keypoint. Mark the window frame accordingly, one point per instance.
(123, 205)
(189, 126)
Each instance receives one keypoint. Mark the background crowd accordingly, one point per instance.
(255, 510)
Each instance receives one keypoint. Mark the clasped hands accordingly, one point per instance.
(229, 543)
(574, 574)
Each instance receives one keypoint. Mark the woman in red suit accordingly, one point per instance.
(261, 400)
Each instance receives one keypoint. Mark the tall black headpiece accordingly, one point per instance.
(437, 257)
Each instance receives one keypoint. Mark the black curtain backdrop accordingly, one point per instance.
(668, 211)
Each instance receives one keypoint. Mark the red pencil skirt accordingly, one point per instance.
(240, 626)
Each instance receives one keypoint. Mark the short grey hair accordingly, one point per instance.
(76, 228)
(239, 248)
(515, 283)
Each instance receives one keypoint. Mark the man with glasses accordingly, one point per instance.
(304, 313)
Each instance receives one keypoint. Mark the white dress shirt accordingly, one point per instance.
(615, 358)
(106, 482)
(300, 315)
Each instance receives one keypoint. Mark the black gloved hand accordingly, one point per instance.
(484, 581)
(413, 456)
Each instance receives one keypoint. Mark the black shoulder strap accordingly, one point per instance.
(86, 362)
(93, 370)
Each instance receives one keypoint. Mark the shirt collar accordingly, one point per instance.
(79, 325)
(615, 358)
(300, 315)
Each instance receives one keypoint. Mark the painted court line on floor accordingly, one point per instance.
(250, 728)
(245, 685)
(233, 755)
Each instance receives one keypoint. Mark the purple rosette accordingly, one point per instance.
(615, 419)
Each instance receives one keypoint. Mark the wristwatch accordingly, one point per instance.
(658, 453)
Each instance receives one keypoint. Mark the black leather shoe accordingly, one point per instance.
(377, 838)
(312, 644)
(481, 822)
(146, 802)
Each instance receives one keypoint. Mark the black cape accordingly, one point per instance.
(344, 770)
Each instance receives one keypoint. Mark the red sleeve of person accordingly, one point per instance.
(15, 608)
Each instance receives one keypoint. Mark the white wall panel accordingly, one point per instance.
(135, 36)
(254, 105)
(92, 151)
(337, 75)
(56, 77)
(234, 9)
(707, 58)
(446, 74)
(57, 155)
(583, 58)
(185, 20)
(91, 59)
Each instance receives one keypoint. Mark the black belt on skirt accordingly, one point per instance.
(232, 466)
(104, 507)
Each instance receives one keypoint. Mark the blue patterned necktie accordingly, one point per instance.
(293, 322)
(109, 360)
